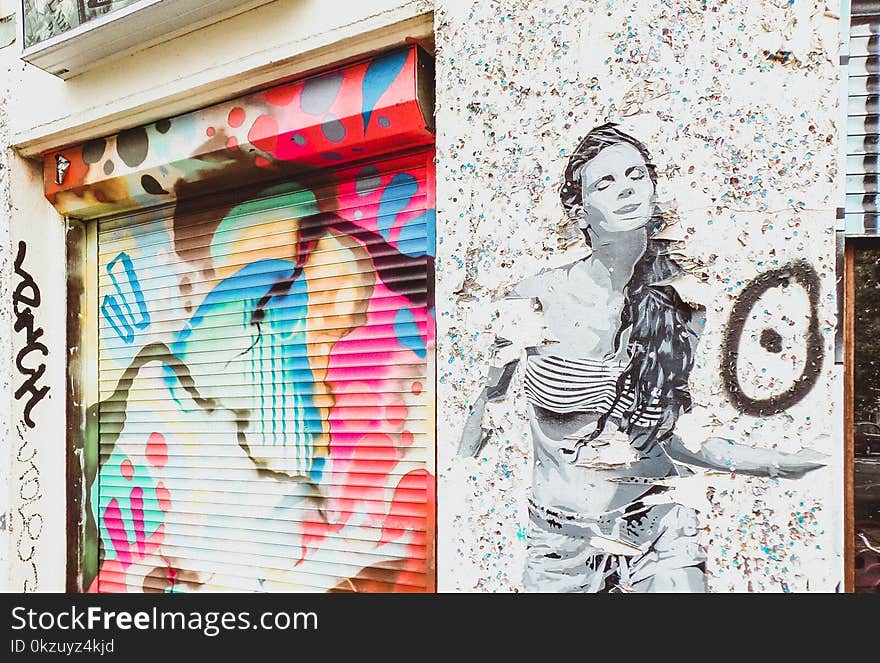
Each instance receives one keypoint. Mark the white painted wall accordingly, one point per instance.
(745, 146)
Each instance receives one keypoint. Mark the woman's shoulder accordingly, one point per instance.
(557, 269)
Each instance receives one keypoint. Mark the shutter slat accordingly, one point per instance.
(244, 581)
(111, 407)
(383, 305)
(244, 566)
(190, 513)
(252, 488)
(122, 488)
(310, 324)
(253, 247)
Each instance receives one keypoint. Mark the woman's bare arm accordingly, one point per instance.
(720, 454)
(474, 436)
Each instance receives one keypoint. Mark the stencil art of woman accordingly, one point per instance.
(604, 397)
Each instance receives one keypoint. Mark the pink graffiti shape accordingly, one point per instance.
(236, 117)
(281, 95)
(163, 496)
(137, 515)
(264, 133)
(116, 530)
(405, 514)
(157, 450)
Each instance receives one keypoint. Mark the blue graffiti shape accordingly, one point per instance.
(407, 332)
(378, 78)
(117, 308)
(275, 364)
(416, 236)
(395, 198)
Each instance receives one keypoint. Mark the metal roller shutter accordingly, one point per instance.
(266, 417)
(863, 121)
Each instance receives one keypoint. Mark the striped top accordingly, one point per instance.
(564, 385)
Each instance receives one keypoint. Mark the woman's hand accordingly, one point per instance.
(473, 436)
(726, 454)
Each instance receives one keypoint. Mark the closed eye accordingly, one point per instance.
(635, 173)
(602, 184)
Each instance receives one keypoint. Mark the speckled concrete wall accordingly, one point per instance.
(737, 101)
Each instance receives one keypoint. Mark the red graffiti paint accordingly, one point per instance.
(210, 131)
(264, 133)
(232, 143)
(116, 530)
(236, 117)
(417, 388)
(113, 576)
(315, 530)
(110, 579)
(74, 178)
(126, 469)
(157, 450)
(163, 497)
(416, 522)
(283, 95)
(396, 414)
(262, 162)
(403, 514)
(137, 515)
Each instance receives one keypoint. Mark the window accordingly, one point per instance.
(68, 37)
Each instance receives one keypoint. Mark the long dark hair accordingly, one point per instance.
(659, 347)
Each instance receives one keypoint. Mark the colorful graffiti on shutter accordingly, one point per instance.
(266, 352)
(277, 407)
(378, 106)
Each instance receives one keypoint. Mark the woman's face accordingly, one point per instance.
(617, 189)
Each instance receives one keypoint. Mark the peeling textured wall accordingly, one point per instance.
(736, 102)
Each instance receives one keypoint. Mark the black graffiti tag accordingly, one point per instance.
(26, 298)
(806, 277)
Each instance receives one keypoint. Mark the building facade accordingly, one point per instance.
(416, 296)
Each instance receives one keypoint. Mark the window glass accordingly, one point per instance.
(44, 19)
